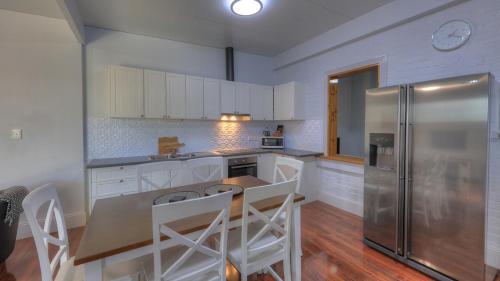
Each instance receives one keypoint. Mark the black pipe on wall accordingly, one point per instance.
(230, 64)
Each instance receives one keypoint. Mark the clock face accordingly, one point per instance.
(451, 35)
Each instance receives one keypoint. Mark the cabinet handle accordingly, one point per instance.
(121, 168)
(121, 181)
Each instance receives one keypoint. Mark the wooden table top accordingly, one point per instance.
(124, 223)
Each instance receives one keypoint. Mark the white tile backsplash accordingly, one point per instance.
(110, 137)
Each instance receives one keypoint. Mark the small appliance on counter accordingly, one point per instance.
(273, 140)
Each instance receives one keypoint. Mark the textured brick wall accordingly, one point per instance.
(108, 137)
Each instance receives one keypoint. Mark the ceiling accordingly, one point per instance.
(281, 24)
(46, 8)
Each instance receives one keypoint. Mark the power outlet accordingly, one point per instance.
(16, 134)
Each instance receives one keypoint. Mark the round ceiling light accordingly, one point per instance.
(246, 7)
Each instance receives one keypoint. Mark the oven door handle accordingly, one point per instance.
(243, 166)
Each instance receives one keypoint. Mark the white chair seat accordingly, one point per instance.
(234, 251)
(125, 271)
(196, 261)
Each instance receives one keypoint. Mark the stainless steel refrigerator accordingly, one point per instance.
(425, 182)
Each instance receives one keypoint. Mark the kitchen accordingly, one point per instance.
(129, 85)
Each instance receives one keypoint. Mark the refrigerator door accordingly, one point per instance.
(446, 175)
(384, 134)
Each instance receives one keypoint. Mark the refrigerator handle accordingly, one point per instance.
(402, 132)
(400, 214)
(408, 168)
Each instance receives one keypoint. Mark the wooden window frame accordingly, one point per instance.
(333, 110)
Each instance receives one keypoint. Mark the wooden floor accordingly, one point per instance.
(331, 241)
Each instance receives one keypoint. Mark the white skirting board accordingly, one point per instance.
(72, 220)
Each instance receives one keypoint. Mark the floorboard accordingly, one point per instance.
(331, 240)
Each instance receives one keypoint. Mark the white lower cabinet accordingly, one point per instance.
(111, 182)
(115, 181)
(122, 180)
(265, 166)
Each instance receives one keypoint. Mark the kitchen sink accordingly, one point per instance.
(179, 155)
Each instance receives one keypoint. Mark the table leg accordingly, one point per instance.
(93, 271)
(296, 245)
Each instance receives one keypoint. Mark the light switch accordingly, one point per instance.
(16, 134)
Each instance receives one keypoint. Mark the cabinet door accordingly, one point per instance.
(155, 94)
(211, 99)
(283, 106)
(127, 92)
(194, 97)
(257, 102)
(176, 96)
(227, 97)
(265, 166)
(242, 98)
(267, 93)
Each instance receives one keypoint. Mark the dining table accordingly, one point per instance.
(120, 228)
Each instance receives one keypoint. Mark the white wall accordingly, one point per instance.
(409, 57)
(41, 92)
(125, 137)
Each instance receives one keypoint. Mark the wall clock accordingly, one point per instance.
(451, 35)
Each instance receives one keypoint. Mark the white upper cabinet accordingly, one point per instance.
(139, 93)
(261, 105)
(288, 102)
(227, 97)
(194, 97)
(176, 96)
(211, 99)
(242, 101)
(155, 94)
(126, 91)
(268, 102)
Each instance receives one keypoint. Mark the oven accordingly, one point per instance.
(242, 166)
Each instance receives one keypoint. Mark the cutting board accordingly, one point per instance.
(167, 145)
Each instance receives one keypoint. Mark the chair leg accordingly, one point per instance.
(286, 268)
(297, 236)
(243, 275)
(295, 246)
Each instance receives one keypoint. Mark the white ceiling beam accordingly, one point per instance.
(381, 19)
(70, 12)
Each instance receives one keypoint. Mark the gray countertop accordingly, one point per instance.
(135, 160)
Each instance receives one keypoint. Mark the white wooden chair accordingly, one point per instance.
(256, 246)
(287, 169)
(192, 260)
(158, 175)
(206, 169)
(47, 195)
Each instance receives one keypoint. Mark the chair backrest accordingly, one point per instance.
(284, 189)
(206, 169)
(31, 205)
(165, 213)
(158, 175)
(287, 169)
